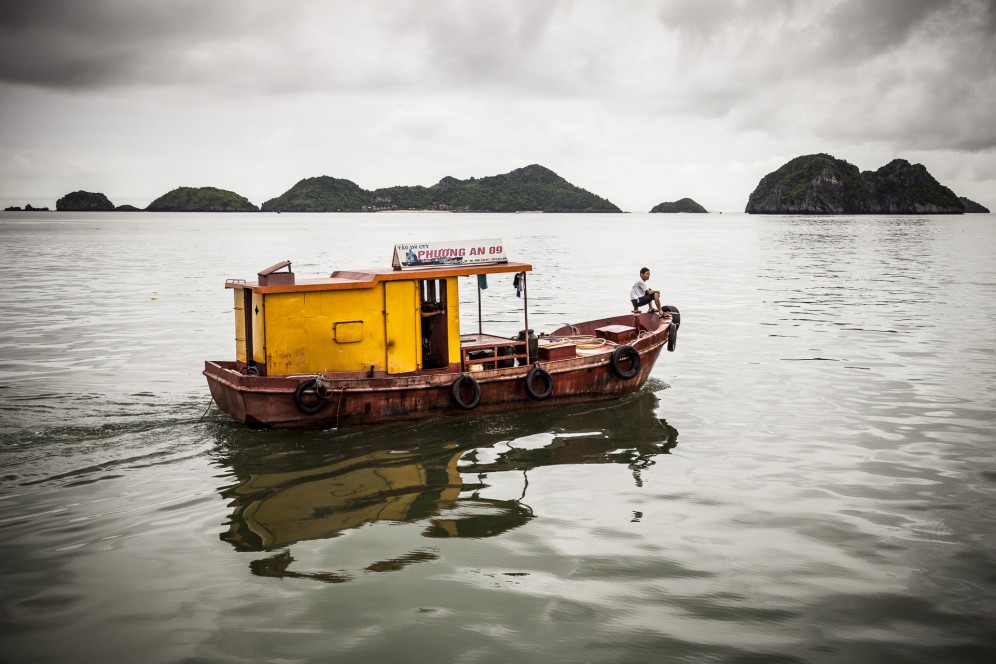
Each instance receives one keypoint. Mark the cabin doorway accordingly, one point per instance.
(247, 321)
(435, 324)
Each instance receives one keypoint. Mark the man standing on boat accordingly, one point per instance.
(641, 294)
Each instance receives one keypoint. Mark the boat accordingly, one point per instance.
(371, 346)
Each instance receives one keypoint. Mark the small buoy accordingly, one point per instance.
(155, 295)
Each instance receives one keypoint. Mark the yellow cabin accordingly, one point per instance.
(365, 322)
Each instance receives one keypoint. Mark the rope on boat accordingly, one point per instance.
(586, 344)
(342, 392)
(210, 403)
(561, 340)
(324, 390)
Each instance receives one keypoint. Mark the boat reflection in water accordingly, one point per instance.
(301, 487)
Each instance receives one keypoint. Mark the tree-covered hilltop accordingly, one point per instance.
(320, 194)
(84, 201)
(524, 189)
(900, 187)
(814, 184)
(201, 199)
(823, 184)
(971, 207)
(533, 188)
(681, 205)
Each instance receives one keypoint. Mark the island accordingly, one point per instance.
(201, 199)
(823, 184)
(971, 207)
(84, 201)
(681, 205)
(533, 188)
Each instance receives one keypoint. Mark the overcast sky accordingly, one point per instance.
(637, 101)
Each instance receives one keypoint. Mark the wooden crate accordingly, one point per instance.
(620, 334)
(559, 352)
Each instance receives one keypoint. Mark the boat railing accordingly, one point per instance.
(491, 352)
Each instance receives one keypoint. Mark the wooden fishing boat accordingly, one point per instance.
(364, 347)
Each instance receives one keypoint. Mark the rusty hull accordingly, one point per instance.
(354, 400)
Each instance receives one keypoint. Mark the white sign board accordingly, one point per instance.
(442, 254)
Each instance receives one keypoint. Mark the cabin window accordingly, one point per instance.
(347, 332)
(433, 295)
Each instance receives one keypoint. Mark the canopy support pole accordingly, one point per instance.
(525, 311)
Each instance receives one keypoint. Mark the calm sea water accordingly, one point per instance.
(809, 478)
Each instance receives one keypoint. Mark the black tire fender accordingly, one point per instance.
(675, 314)
(304, 407)
(539, 372)
(672, 336)
(455, 389)
(620, 355)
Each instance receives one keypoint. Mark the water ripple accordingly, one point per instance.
(830, 496)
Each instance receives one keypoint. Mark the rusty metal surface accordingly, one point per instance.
(270, 276)
(350, 279)
(352, 400)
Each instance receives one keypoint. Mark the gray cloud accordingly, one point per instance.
(496, 42)
(291, 46)
(65, 44)
(525, 78)
(921, 72)
(518, 43)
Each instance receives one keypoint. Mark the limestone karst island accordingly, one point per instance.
(682, 205)
(530, 189)
(823, 184)
(810, 184)
(533, 188)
